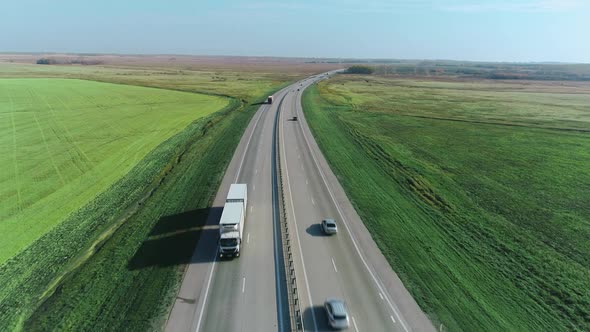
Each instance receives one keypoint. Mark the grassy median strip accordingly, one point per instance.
(477, 194)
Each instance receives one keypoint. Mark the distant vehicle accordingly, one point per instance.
(297, 89)
(329, 226)
(294, 118)
(269, 100)
(337, 313)
(231, 224)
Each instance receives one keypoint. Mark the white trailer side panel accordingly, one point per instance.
(238, 192)
(232, 217)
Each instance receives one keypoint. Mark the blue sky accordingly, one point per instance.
(487, 30)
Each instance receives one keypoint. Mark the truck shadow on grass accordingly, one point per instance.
(173, 239)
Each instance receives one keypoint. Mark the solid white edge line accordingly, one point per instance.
(315, 325)
(349, 232)
(207, 290)
(334, 264)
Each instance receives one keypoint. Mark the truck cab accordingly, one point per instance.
(229, 244)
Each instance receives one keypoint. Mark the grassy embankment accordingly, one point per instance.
(477, 193)
(116, 261)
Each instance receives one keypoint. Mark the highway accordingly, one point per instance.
(249, 293)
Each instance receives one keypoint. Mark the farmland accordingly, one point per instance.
(487, 70)
(234, 77)
(126, 172)
(475, 191)
(69, 140)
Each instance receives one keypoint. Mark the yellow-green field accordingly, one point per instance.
(477, 192)
(64, 141)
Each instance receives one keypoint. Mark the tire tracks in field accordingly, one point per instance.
(497, 123)
(78, 157)
(14, 149)
(133, 145)
(83, 160)
(63, 182)
(116, 130)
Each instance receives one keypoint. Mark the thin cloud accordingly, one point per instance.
(392, 6)
(343, 6)
(519, 6)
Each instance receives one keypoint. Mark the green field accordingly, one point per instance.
(126, 174)
(476, 192)
(64, 141)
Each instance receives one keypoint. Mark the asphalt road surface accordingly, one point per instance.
(249, 293)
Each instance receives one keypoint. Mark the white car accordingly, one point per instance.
(329, 226)
(337, 313)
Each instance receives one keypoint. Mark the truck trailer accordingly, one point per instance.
(238, 192)
(231, 224)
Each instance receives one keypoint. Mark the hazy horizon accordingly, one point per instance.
(374, 60)
(540, 31)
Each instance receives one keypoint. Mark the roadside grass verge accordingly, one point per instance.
(486, 223)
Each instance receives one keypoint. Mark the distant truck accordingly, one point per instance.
(231, 224)
(269, 100)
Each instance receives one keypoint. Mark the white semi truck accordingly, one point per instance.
(231, 224)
